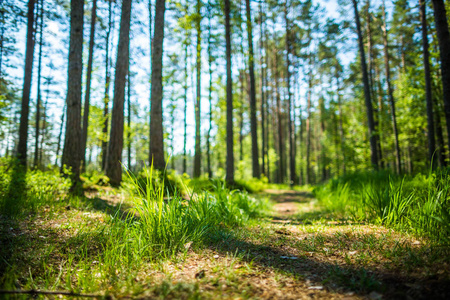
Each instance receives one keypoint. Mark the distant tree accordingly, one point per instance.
(368, 100)
(115, 145)
(198, 150)
(87, 94)
(25, 110)
(428, 94)
(39, 94)
(156, 118)
(229, 91)
(72, 143)
(253, 122)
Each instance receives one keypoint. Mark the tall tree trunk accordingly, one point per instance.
(439, 135)
(39, 97)
(25, 109)
(290, 109)
(185, 102)
(115, 145)
(391, 93)
(241, 115)
(440, 18)
(229, 89)
(106, 97)
(253, 122)
(72, 142)
(368, 100)
(198, 153)
(210, 58)
(129, 117)
(87, 94)
(156, 117)
(263, 100)
(279, 120)
(308, 177)
(428, 95)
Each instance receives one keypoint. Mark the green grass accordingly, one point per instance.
(418, 204)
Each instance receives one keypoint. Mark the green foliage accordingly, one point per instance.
(419, 204)
(22, 191)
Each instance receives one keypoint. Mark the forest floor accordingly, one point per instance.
(297, 251)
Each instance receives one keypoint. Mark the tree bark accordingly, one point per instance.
(263, 98)
(290, 109)
(198, 154)
(115, 145)
(39, 94)
(428, 94)
(156, 117)
(25, 109)
(391, 93)
(106, 97)
(253, 122)
(229, 89)
(129, 117)
(87, 94)
(368, 100)
(443, 35)
(72, 142)
(210, 59)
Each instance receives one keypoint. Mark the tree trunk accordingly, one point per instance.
(72, 142)
(115, 145)
(185, 103)
(391, 93)
(198, 154)
(39, 97)
(253, 122)
(308, 178)
(368, 101)
(129, 117)
(290, 110)
(25, 109)
(279, 121)
(428, 95)
(341, 127)
(156, 116)
(106, 97)
(230, 155)
(263, 100)
(210, 58)
(87, 94)
(443, 35)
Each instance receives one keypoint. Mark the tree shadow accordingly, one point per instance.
(316, 271)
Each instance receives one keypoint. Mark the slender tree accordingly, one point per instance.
(229, 90)
(198, 153)
(368, 100)
(25, 109)
(391, 92)
(39, 94)
(156, 118)
(72, 142)
(115, 145)
(289, 99)
(440, 19)
(210, 61)
(107, 83)
(428, 95)
(253, 122)
(87, 94)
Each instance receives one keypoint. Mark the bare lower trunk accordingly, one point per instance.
(87, 94)
(115, 145)
(198, 154)
(156, 118)
(39, 94)
(368, 100)
(25, 109)
(428, 95)
(229, 90)
(72, 142)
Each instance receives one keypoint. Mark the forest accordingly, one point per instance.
(217, 149)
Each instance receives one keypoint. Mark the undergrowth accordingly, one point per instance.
(419, 204)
